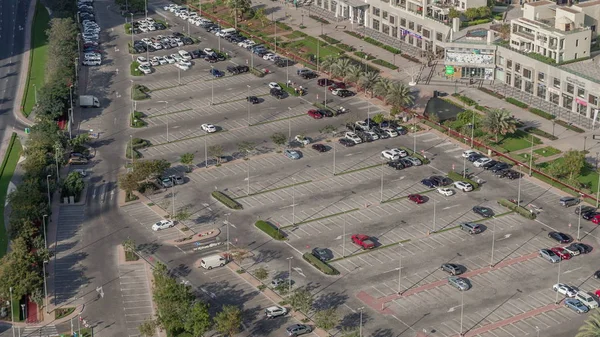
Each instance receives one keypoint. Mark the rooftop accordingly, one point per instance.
(540, 3)
(570, 10)
(588, 3)
(588, 69)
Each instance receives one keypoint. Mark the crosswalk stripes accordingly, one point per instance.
(39, 331)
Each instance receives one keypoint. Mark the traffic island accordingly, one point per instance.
(271, 230)
(195, 238)
(226, 200)
(522, 211)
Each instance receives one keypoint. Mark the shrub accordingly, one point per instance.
(283, 26)
(517, 103)
(364, 55)
(569, 126)
(322, 266)
(319, 19)
(323, 107)
(541, 58)
(522, 211)
(127, 28)
(468, 101)
(134, 69)
(226, 200)
(541, 113)
(329, 40)
(491, 92)
(385, 64)
(257, 72)
(458, 177)
(345, 47)
(139, 92)
(392, 49)
(356, 35)
(541, 133)
(475, 22)
(373, 42)
(137, 121)
(270, 230)
(416, 154)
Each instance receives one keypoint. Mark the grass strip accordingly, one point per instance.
(169, 113)
(9, 164)
(274, 189)
(321, 218)
(522, 211)
(226, 200)
(37, 58)
(269, 229)
(278, 120)
(371, 250)
(358, 169)
(446, 229)
(187, 138)
(323, 267)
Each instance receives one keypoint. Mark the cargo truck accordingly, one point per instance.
(88, 101)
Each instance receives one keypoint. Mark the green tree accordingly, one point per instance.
(499, 122)
(261, 273)
(229, 320)
(328, 64)
(484, 12)
(239, 255)
(382, 87)
(471, 14)
(149, 169)
(182, 215)
(327, 319)
(128, 182)
(172, 300)
(591, 327)
(147, 328)
(129, 245)
(259, 14)
(279, 139)
(399, 95)
(197, 320)
(20, 269)
(187, 159)
(350, 332)
(238, 8)
(246, 147)
(73, 185)
(341, 67)
(301, 300)
(570, 166)
(353, 74)
(378, 118)
(453, 13)
(216, 151)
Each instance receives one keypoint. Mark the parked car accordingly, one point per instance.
(463, 186)
(319, 147)
(569, 201)
(445, 191)
(576, 305)
(322, 254)
(560, 237)
(275, 311)
(417, 198)
(363, 241)
(564, 289)
(562, 253)
(292, 154)
(162, 224)
(298, 329)
(471, 227)
(452, 269)
(347, 142)
(549, 255)
(485, 212)
(459, 283)
(208, 128)
(279, 94)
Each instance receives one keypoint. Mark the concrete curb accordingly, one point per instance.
(24, 67)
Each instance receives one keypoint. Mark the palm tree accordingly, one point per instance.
(238, 8)
(369, 80)
(353, 74)
(260, 15)
(341, 67)
(499, 122)
(329, 63)
(399, 95)
(591, 328)
(382, 87)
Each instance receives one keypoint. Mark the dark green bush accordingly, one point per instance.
(541, 113)
(517, 102)
(329, 40)
(226, 200)
(270, 230)
(569, 126)
(364, 55)
(491, 92)
(385, 64)
(345, 47)
(392, 49)
(257, 72)
(356, 35)
(522, 211)
(318, 19)
(373, 42)
(322, 266)
(139, 92)
(541, 133)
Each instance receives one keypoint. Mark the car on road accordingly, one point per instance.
(322, 254)
(562, 253)
(208, 128)
(560, 237)
(275, 311)
(292, 154)
(471, 227)
(481, 161)
(459, 283)
(549, 255)
(277, 93)
(274, 85)
(445, 191)
(302, 139)
(347, 142)
(564, 289)
(162, 224)
(319, 147)
(363, 240)
(485, 212)
(417, 198)
(298, 329)
(452, 269)
(569, 201)
(576, 305)
(353, 137)
(463, 186)
(315, 114)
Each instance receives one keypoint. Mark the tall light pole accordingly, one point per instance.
(294, 201)
(334, 166)
(205, 153)
(519, 188)
(289, 126)
(48, 187)
(44, 223)
(131, 152)
(579, 223)
(167, 118)
(473, 129)
(247, 177)
(344, 236)
(12, 313)
(493, 241)
(415, 134)
(212, 87)
(45, 285)
(360, 323)
(400, 276)
(462, 307)
(432, 199)
(558, 281)
(132, 34)
(290, 273)
(132, 107)
(598, 193)
(381, 189)
(531, 157)
(227, 223)
(173, 196)
(248, 99)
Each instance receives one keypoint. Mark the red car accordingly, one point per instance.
(417, 198)
(315, 114)
(596, 219)
(337, 85)
(363, 240)
(324, 82)
(561, 252)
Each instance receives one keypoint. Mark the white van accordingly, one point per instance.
(226, 32)
(586, 299)
(213, 261)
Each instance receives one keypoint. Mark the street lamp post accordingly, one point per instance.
(248, 99)
(289, 127)
(12, 313)
(415, 134)
(48, 187)
(558, 281)
(381, 189)
(598, 193)
(45, 285)
(24, 317)
(400, 276)
(334, 166)
(344, 236)
(472, 128)
(493, 242)
(173, 196)
(579, 222)
(294, 201)
(205, 153)
(44, 223)
(432, 199)
(531, 157)
(227, 223)
(167, 119)
(131, 152)
(212, 88)
(360, 323)
(519, 188)
(462, 306)
(290, 273)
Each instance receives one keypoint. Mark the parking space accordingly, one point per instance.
(146, 217)
(136, 295)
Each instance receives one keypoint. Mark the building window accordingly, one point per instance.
(385, 29)
(529, 87)
(570, 88)
(556, 83)
(527, 73)
(392, 19)
(582, 109)
(462, 5)
(518, 68)
(509, 64)
(567, 101)
(554, 98)
(518, 82)
(508, 78)
(419, 28)
(320, 3)
(419, 43)
(541, 93)
(376, 11)
(426, 33)
(384, 15)
(394, 32)
(403, 22)
(410, 39)
(375, 25)
(593, 100)
(439, 36)
(541, 77)
(411, 25)
(581, 92)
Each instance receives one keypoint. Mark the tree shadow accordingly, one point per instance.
(330, 300)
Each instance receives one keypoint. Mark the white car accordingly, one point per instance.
(274, 85)
(372, 134)
(185, 55)
(145, 69)
(157, 46)
(162, 224)
(353, 137)
(177, 57)
(143, 61)
(564, 289)
(393, 154)
(302, 140)
(275, 311)
(445, 191)
(391, 132)
(463, 186)
(572, 250)
(169, 59)
(154, 61)
(162, 60)
(209, 51)
(168, 7)
(209, 128)
(186, 63)
(362, 125)
(481, 161)
(150, 21)
(182, 66)
(146, 41)
(467, 153)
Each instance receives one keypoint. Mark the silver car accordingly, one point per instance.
(549, 255)
(297, 330)
(459, 283)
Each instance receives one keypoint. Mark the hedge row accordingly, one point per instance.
(257, 72)
(491, 92)
(459, 177)
(411, 58)
(522, 211)
(270, 230)
(345, 47)
(356, 35)
(226, 200)
(364, 55)
(139, 92)
(319, 19)
(541, 113)
(517, 102)
(416, 155)
(541, 133)
(322, 266)
(329, 40)
(569, 126)
(468, 101)
(324, 107)
(385, 64)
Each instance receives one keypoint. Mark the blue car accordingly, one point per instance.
(429, 183)
(576, 305)
(216, 72)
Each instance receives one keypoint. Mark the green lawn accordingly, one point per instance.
(588, 176)
(517, 141)
(37, 57)
(547, 151)
(309, 45)
(9, 164)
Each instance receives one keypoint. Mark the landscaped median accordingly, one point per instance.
(459, 177)
(270, 230)
(522, 211)
(422, 158)
(37, 58)
(322, 266)
(226, 200)
(9, 164)
(134, 68)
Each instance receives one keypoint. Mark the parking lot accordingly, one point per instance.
(316, 208)
(136, 294)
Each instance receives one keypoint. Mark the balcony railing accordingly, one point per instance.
(525, 35)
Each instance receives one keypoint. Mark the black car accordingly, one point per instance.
(177, 34)
(583, 248)
(474, 156)
(139, 49)
(321, 254)
(365, 137)
(187, 41)
(584, 209)
(325, 112)
(237, 69)
(253, 99)
(279, 94)
(177, 180)
(397, 164)
(382, 134)
(559, 237)
(499, 167)
(512, 174)
(428, 183)
(283, 62)
(485, 212)
(319, 147)
(309, 75)
(160, 26)
(346, 142)
(210, 59)
(501, 173)
(196, 54)
(489, 164)
(441, 181)
(406, 162)
(589, 215)
(345, 93)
